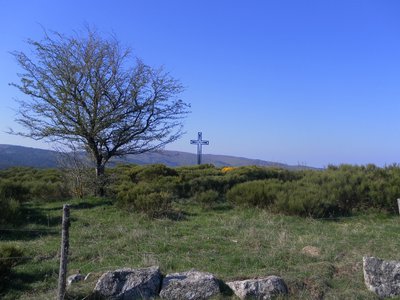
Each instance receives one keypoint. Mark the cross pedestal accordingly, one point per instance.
(199, 142)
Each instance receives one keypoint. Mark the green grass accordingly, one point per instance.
(231, 243)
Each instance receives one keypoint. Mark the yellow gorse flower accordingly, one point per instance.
(227, 169)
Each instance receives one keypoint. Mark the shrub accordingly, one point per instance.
(144, 197)
(13, 190)
(307, 200)
(205, 183)
(155, 204)
(153, 172)
(227, 169)
(8, 259)
(157, 177)
(11, 196)
(316, 195)
(338, 190)
(259, 193)
(48, 191)
(24, 184)
(207, 199)
(252, 173)
(78, 181)
(10, 210)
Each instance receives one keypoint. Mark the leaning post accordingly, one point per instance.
(62, 275)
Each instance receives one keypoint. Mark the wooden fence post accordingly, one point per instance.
(62, 275)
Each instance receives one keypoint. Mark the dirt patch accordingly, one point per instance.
(311, 251)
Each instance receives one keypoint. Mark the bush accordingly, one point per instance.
(252, 173)
(13, 190)
(155, 204)
(308, 200)
(24, 184)
(336, 191)
(11, 196)
(152, 172)
(144, 198)
(190, 172)
(78, 182)
(48, 191)
(10, 210)
(207, 199)
(8, 259)
(382, 188)
(259, 193)
(201, 184)
(316, 195)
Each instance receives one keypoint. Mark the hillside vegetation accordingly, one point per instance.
(234, 222)
(40, 158)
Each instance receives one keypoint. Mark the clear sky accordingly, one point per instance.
(292, 81)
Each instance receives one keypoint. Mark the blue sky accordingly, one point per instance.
(311, 82)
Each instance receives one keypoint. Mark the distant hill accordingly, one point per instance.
(12, 156)
(19, 156)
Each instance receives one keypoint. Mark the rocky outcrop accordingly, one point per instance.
(382, 277)
(129, 284)
(191, 285)
(263, 288)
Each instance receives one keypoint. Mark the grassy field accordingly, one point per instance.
(232, 243)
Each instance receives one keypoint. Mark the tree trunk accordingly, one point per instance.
(100, 179)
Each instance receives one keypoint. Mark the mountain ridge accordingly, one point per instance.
(21, 156)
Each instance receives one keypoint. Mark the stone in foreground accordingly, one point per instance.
(75, 278)
(263, 288)
(191, 285)
(129, 284)
(382, 277)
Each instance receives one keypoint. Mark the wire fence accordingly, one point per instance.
(29, 230)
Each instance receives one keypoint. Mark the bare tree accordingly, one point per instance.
(77, 171)
(87, 90)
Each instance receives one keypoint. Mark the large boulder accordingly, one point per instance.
(124, 284)
(191, 285)
(382, 277)
(263, 288)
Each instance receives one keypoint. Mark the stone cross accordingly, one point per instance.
(199, 142)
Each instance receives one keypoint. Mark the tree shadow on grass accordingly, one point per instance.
(31, 223)
(18, 282)
(38, 216)
(89, 205)
(222, 207)
(24, 235)
(173, 215)
(84, 204)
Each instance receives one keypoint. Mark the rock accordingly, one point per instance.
(129, 284)
(191, 285)
(263, 288)
(311, 251)
(382, 277)
(75, 278)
